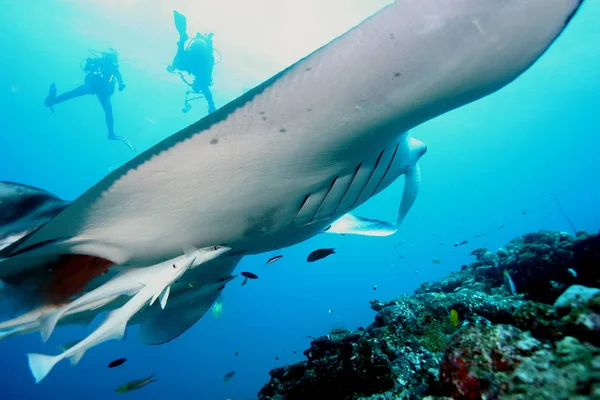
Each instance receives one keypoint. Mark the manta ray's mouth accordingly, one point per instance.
(59, 278)
(71, 274)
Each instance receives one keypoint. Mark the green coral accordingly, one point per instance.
(435, 333)
(434, 340)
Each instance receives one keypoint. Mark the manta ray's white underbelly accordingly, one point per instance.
(276, 205)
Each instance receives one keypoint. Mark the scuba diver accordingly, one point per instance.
(102, 71)
(197, 59)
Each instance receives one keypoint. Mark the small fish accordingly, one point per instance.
(374, 287)
(461, 243)
(135, 384)
(294, 351)
(501, 227)
(237, 352)
(319, 254)
(454, 317)
(228, 376)
(572, 272)
(524, 212)
(217, 307)
(436, 261)
(330, 311)
(273, 259)
(277, 358)
(117, 362)
(248, 275)
(508, 282)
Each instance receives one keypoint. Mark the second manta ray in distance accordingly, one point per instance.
(290, 158)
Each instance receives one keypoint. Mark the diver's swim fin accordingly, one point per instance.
(51, 96)
(124, 140)
(180, 24)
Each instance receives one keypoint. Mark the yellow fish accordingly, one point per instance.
(454, 317)
(136, 384)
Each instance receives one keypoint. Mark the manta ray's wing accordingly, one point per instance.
(173, 321)
(188, 302)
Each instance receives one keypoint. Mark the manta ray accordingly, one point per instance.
(24, 208)
(291, 158)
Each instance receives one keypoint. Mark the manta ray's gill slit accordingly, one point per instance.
(358, 167)
(386, 171)
(325, 199)
(303, 204)
(355, 203)
(71, 274)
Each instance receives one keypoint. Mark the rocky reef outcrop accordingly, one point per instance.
(469, 336)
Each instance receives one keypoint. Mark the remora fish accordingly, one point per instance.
(128, 283)
(30, 321)
(114, 325)
(187, 304)
(317, 140)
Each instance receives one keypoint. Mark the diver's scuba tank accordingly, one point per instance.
(93, 65)
(198, 45)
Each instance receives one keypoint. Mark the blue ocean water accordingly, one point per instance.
(492, 172)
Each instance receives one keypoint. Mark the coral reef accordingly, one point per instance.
(468, 336)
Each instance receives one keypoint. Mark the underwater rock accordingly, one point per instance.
(492, 362)
(479, 357)
(539, 263)
(468, 337)
(351, 365)
(575, 296)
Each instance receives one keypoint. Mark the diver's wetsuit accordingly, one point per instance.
(100, 80)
